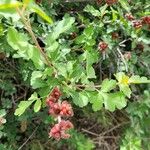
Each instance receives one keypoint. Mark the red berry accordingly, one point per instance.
(65, 125)
(55, 93)
(66, 109)
(59, 130)
(55, 132)
(102, 46)
(137, 24)
(55, 109)
(146, 20)
(129, 16)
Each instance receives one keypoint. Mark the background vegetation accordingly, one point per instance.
(96, 52)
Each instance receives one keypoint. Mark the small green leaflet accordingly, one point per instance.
(35, 8)
(61, 27)
(79, 98)
(92, 10)
(36, 81)
(37, 105)
(96, 99)
(114, 100)
(23, 105)
(9, 4)
(125, 5)
(2, 112)
(138, 80)
(19, 41)
(108, 85)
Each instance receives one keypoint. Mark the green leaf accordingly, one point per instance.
(114, 100)
(80, 99)
(37, 105)
(92, 10)
(26, 2)
(35, 8)
(96, 99)
(9, 5)
(62, 26)
(103, 10)
(135, 79)
(2, 112)
(91, 58)
(125, 5)
(35, 55)
(19, 41)
(23, 105)
(126, 90)
(108, 85)
(33, 96)
(36, 81)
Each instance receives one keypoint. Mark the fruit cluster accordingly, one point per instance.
(137, 24)
(59, 130)
(59, 109)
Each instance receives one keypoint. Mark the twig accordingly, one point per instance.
(29, 29)
(88, 86)
(115, 127)
(92, 133)
(123, 60)
(28, 138)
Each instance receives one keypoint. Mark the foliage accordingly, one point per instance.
(97, 56)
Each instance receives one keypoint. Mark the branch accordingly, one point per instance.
(28, 138)
(29, 29)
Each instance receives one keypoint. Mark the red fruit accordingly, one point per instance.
(55, 132)
(59, 130)
(65, 125)
(55, 109)
(137, 24)
(55, 93)
(50, 100)
(111, 2)
(146, 20)
(102, 46)
(66, 109)
(129, 16)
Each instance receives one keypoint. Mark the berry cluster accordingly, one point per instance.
(59, 130)
(102, 46)
(137, 24)
(59, 109)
